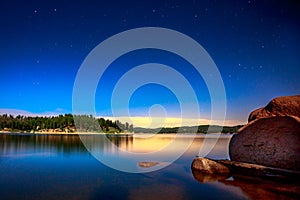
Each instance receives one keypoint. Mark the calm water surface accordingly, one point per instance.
(60, 167)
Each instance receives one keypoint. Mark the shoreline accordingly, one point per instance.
(209, 135)
(63, 133)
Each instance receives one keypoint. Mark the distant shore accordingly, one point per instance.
(62, 133)
(116, 134)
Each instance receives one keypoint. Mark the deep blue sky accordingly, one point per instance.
(255, 45)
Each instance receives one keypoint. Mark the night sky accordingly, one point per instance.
(255, 45)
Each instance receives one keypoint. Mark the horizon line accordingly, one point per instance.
(139, 121)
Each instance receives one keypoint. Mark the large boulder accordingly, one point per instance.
(272, 141)
(281, 106)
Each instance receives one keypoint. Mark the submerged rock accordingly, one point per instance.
(272, 141)
(280, 106)
(208, 166)
(147, 164)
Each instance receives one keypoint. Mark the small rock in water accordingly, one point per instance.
(209, 166)
(147, 164)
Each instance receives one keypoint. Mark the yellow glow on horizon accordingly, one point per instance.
(156, 122)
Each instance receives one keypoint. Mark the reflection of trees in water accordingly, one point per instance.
(65, 144)
(21, 143)
(124, 142)
(106, 143)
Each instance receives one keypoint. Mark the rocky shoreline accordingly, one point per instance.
(225, 168)
(268, 147)
(255, 181)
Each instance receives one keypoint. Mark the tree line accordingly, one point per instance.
(202, 129)
(67, 122)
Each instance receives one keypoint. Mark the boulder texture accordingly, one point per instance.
(271, 141)
(281, 106)
(208, 166)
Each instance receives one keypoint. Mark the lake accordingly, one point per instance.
(61, 167)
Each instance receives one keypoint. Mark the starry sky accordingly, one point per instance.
(255, 45)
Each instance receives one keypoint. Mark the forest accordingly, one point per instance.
(62, 123)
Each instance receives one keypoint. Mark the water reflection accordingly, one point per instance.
(255, 187)
(22, 144)
(123, 142)
(164, 149)
(131, 150)
(28, 172)
(13, 144)
(27, 144)
(206, 178)
(266, 188)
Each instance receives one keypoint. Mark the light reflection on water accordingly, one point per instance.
(59, 167)
(162, 149)
(16, 144)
